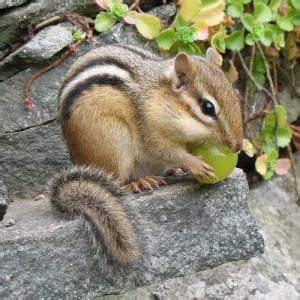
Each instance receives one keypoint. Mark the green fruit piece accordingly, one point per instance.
(220, 158)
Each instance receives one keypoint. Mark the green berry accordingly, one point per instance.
(220, 158)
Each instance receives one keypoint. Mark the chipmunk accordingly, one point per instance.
(127, 115)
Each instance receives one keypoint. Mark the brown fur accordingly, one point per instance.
(91, 194)
(141, 120)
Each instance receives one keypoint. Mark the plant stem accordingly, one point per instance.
(275, 76)
(27, 101)
(268, 73)
(248, 126)
(49, 21)
(257, 85)
(134, 5)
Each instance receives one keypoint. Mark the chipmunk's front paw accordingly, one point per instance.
(148, 183)
(201, 169)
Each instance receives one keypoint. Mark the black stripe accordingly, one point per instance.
(100, 61)
(79, 88)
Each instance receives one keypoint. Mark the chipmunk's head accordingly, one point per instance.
(208, 107)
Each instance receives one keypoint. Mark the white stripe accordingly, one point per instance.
(109, 70)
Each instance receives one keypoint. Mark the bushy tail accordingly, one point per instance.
(92, 194)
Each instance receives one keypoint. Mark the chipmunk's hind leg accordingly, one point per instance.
(148, 183)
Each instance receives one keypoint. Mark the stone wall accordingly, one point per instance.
(31, 145)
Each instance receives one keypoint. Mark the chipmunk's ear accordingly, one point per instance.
(214, 56)
(182, 67)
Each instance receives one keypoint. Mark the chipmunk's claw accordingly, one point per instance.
(148, 183)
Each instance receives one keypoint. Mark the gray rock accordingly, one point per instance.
(14, 22)
(43, 46)
(46, 256)
(11, 3)
(44, 91)
(292, 102)
(29, 158)
(4, 199)
(273, 275)
(23, 136)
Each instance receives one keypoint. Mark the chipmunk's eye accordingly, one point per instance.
(208, 108)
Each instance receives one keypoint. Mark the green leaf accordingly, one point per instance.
(236, 40)
(258, 64)
(271, 163)
(281, 115)
(266, 38)
(166, 39)
(246, 1)
(250, 39)
(186, 47)
(188, 34)
(103, 22)
(274, 5)
(180, 23)
(248, 22)
(296, 4)
(276, 31)
(259, 77)
(199, 49)
(279, 41)
(296, 20)
(208, 2)
(269, 146)
(190, 9)
(118, 11)
(236, 9)
(77, 36)
(262, 13)
(258, 30)
(148, 26)
(276, 122)
(284, 136)
(218, 40)
(284, 23)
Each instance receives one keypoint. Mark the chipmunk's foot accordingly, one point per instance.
(148, 183)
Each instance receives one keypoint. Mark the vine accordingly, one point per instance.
(260, 33)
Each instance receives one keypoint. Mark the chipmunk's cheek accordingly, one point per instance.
(191, 130)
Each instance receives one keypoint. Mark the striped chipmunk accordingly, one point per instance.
(127, 115)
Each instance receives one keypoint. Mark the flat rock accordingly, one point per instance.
(43, 46)
(29, 158)
(14, 21)
(272, 275)
(182, 228)
(11, 3)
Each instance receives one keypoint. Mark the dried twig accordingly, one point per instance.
(134, 5)
(247, 125)
(249, 74)
(289, 79)
(273, 98)
(88, 34)
(245, 99)
(49, 22)
(275, 76)
(27, 101)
